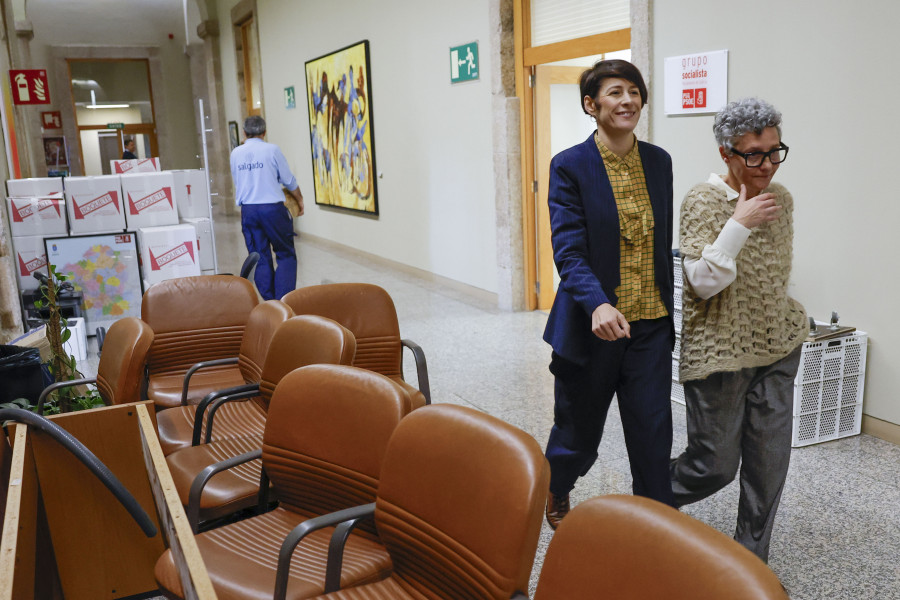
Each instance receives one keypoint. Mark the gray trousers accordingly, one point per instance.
(740, 418)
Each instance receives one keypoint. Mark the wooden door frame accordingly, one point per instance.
(545, 76)
(527, 57)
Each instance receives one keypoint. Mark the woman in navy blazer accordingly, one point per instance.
(597, 352)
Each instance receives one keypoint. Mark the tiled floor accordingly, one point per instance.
(837, 535)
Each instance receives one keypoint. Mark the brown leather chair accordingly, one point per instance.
(459, 507)
(630, 547)
(120, 372)
(299, 341)
(368, 311)
(195, 319)
(325, 439)
(179, 427)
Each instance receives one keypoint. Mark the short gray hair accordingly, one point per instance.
(750, 115)
(254, 125)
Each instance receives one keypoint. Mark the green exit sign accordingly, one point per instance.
(115, 125)
(464, 63)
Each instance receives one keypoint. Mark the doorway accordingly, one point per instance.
(112, 101)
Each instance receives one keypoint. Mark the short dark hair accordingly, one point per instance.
(592, 78)
(128, 140)
(254, 126)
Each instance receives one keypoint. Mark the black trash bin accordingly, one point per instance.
(21, 375)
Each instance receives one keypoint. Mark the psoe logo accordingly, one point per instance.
(687, 99)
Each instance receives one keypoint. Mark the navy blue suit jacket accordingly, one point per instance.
(585, 236)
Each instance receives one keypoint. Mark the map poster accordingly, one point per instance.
(104, 267)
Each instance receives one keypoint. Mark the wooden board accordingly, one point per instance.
(195, 580)
(101, 553)
(17, 549)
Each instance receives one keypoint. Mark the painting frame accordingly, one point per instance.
(102, 306)
(234, 135)
(56, 153)
(341, 130)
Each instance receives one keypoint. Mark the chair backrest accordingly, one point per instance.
(633, 547)
(121, 369)
(196, 319)
(460, 503)
(300, 341)
(263, 322)
(366, 310)
(326, 433)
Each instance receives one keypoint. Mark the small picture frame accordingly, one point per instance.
(233, 134)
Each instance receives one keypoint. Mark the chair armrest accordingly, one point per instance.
(240, 391)
(202, 478)
(421, 368)
(301, 531)
(39, 409)
(219, 402)
(197, 367)
(336, 552)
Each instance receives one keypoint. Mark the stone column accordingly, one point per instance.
(642, 57)
(507, 159)
(218, 145)
(10, 305)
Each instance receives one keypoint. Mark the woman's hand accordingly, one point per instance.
(609, 324)
(755, 211)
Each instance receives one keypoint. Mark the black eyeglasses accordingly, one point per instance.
(756, 159)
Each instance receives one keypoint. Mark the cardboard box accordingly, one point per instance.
(191, 193)
(48, 187)
(208, 272)
(95, 204)
(30, 256)
(204, 242)
(168, 252)
(37, 216)
(149, 200)
(77, 344)
(140, 165)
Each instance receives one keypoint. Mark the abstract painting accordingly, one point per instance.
(339, 92)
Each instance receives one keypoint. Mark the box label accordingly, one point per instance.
(160, 261)
(137, 206)
(94, 205)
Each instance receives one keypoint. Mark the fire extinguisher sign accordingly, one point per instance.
(29, 86)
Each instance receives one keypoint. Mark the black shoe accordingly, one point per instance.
(557, 508)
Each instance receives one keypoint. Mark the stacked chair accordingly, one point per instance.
(121, 369)
(368, 311)
(195, 320)
(630, 547)
(183, 426)
(457, 498)
(297, 342)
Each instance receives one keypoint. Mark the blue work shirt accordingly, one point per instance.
(259, 169)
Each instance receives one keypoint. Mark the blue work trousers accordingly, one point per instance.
(638, 371)
(268, 228)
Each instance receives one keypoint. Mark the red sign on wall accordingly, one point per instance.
(29, 86)
(51, 120)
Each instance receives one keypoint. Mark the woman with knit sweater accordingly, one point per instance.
(742, 333)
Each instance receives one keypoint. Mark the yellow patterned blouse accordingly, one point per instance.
(638, 293)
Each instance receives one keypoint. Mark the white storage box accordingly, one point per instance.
(37, 216)
(95, 204)
(191, 193)
(30, 257)
(828, 389)
(140, 165)
(204, 242)
(149, 200)
(167, 253)
(51, 187)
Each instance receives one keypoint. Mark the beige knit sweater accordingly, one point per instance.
(752, 322)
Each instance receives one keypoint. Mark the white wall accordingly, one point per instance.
(432, 141)
(829, 68)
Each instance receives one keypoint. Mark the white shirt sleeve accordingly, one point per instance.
(716, 269)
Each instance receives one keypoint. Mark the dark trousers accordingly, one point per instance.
(740, 418)
(268, 228)
(638, 370)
